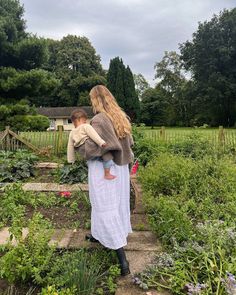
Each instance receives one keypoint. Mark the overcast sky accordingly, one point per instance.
(139, 31)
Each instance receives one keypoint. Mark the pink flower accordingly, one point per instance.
(134, 168)
(65, 194)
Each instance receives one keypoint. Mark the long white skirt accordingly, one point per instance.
(110, 201)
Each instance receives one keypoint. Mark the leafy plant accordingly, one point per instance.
(73, 173)
(82, 270)
(191, 206)
(30, 259)
(51, 290)
(15, 166)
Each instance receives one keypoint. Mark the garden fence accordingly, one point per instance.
(55, 142)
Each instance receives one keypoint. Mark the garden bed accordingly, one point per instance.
(189, 192)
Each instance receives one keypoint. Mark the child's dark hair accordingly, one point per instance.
(78, 114)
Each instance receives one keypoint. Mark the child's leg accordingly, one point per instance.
(107, 165)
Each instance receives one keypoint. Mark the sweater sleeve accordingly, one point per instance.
(70, 150)
(92, 133)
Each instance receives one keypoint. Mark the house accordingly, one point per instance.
(60, 116)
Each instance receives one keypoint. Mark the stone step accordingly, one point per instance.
(65, 238)
(48, 165)
(54, 187)
(139, 222)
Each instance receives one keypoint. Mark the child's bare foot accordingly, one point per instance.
(109, 176)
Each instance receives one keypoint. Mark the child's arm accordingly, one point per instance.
(70, 150)
(92, 133)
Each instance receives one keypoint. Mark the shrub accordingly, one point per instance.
(194, 146)
(15, 166)
(73, 173)
(166, 174)
(167, 218)
(191, 203)
(83, 271)
(30, 259)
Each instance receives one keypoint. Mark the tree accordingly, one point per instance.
(34, 85)
(132, 105)
(76, 64)
(17, 48)
(74, 54)
(141, 85)
(120, 82)
(115, 80)
(31, 53)
(12, 29)
(153, 107)
(22, 117)
(210, 56)
(170, 75)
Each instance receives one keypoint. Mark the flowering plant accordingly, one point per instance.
(134, 168)
(66, 195)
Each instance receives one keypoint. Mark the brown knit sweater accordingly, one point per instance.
(119, 150)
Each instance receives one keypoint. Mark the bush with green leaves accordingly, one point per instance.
(16, 166)
(73, 173)
(30, 259)
(22, 117)
(84, 271)
(194, 146)
(191, 203)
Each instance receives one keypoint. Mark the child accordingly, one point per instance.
(80, 134)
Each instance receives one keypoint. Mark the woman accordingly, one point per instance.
(110, 199)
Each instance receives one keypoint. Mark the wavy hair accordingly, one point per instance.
(104, 102)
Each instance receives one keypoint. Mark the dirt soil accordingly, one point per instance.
(18, 288)
(62, 217)
(43, 175)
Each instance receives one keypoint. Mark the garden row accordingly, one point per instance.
(33, 265)
(190, 198)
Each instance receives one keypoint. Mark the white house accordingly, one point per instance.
(60, 116)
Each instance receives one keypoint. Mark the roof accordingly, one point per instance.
(62, 112)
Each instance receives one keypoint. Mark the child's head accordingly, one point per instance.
(78, 117)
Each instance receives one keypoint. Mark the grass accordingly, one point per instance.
(176, 134)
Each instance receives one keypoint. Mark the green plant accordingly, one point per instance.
(81, 270)
(30, 258)
(15, 166)
(108, 283)
(166, 174)
(51, 290)
(73, 173)
(191, 206)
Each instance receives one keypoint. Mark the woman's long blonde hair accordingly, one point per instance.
(104, 102)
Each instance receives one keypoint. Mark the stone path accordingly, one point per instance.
(54, 187)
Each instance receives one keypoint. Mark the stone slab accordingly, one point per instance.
(48, 165)
(138, 262)
(78, 240)
(61, 238)
(139, 222)
(5, 236)
(54, 187)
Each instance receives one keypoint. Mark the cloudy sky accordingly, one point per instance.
(139, 31)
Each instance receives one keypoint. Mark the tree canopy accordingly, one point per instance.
(211, 56)
(120, 82)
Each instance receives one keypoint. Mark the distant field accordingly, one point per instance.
(176, 134)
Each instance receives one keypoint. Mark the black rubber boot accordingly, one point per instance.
(90, 238)
(124, 264)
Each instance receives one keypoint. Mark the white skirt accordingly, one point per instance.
(110, 201)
